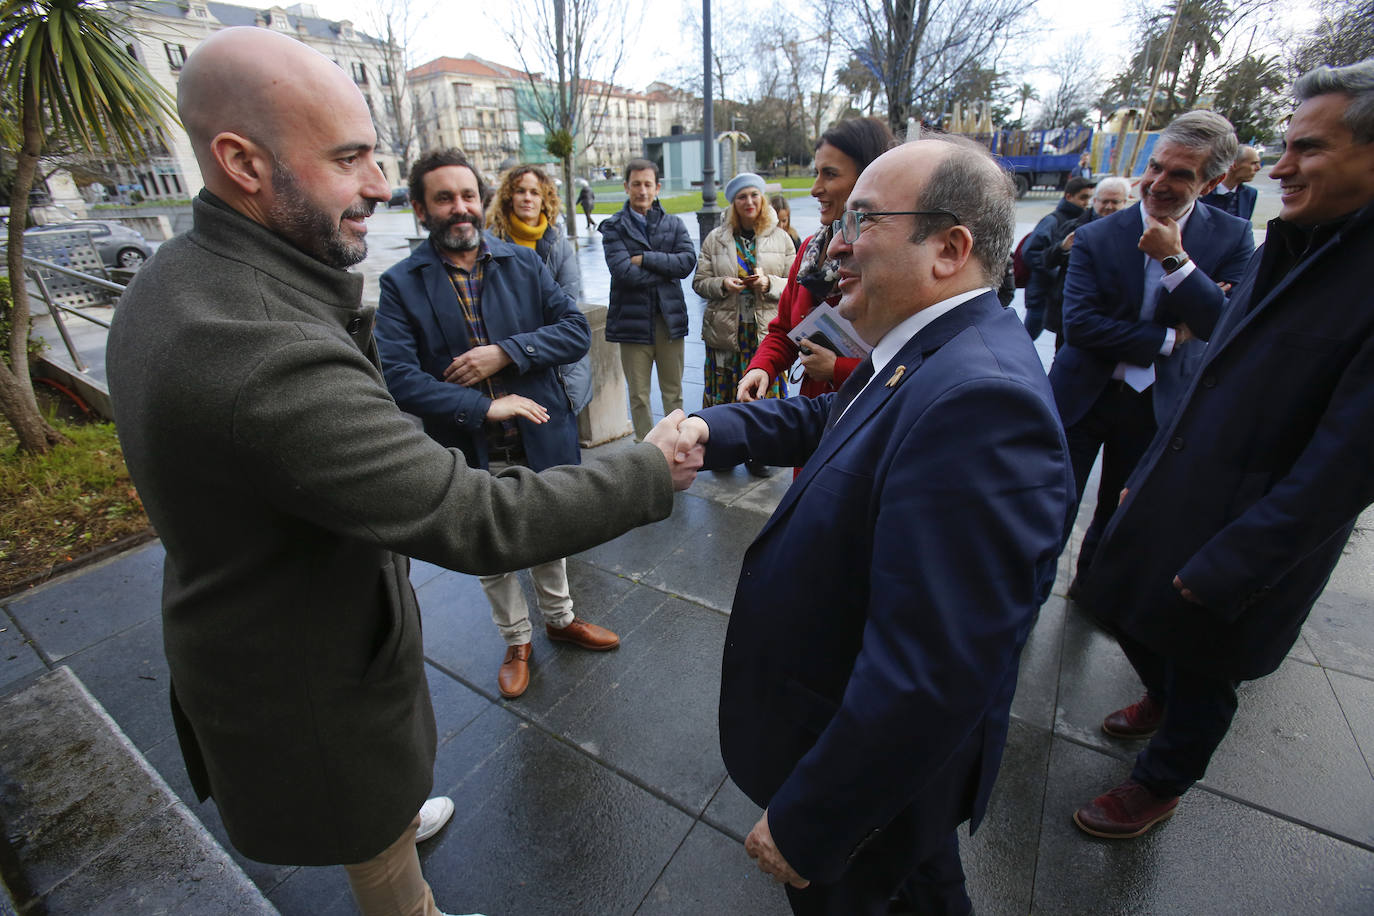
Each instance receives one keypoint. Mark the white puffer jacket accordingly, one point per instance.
(720, 322)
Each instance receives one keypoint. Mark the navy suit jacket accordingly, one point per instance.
(1240, 202)
(1250, 493)
(420, 329)
(1104, 287)
(872, 651)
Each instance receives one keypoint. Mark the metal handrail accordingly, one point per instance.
(32, 266)
(67, 271)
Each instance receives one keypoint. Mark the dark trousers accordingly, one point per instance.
(1121, 423)
(1198, 708)
(934, 887)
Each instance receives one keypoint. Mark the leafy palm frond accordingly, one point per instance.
(65, 77)
(67, 58)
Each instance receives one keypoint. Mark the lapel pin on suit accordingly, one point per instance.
(896, 377)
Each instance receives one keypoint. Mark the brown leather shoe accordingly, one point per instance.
(1139, 720)
(586, 635)
(514, 676)
(1124, 812)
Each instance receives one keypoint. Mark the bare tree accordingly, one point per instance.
(825, 61)
(1077, 89)
(917, 48)
(398, 24)
(1344, 35)
(571, 52)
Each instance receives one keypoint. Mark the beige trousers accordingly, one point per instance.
(390, 883)
(509, 609)
(638, 361)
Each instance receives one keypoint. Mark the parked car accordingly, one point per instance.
(400, 197)
(117, 245)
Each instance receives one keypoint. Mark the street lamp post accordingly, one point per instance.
(708, 217)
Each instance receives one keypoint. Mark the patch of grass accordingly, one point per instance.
(686, 202)
(57, 507)
(690, 201)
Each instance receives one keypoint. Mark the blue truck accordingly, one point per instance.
(1043, 158)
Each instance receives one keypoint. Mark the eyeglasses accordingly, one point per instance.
(847, 226)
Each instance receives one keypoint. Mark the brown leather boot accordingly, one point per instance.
(514, 676)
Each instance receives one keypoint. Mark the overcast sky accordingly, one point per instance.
(456, 29)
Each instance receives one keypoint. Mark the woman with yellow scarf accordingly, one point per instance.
(525, 210)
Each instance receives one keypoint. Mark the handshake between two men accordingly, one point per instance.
(682, 440)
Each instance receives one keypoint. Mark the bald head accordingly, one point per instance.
(283, 136)
(969, 182)
(932, 219)
(260, 85)
(1245, 168)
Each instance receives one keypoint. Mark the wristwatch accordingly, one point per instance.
(1173, 262)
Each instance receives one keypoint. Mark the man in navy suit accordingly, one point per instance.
(1140, 296)
(471, 331)
(1239, 511)
(872, 651)
(1234, 195)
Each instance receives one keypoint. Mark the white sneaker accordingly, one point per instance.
(433, 815)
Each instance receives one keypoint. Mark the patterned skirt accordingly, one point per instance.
(724, 369)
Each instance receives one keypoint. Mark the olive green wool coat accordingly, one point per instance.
(288, 491)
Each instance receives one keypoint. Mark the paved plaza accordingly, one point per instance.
(602, 791)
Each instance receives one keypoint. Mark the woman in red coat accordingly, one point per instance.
(843, 152)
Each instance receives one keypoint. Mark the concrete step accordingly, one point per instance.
(88, 826)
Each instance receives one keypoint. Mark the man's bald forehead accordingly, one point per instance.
(249, 81)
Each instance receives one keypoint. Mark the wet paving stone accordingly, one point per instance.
(1214, 856)
(73, 613)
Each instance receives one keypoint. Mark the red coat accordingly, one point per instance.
(777, 352)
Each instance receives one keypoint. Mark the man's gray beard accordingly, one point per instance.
(309, 228)
(447, 242)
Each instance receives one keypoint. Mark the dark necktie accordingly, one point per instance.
(849, 391)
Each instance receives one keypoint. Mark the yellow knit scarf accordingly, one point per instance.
(522, 234)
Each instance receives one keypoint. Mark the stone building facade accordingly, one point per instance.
(165, 32)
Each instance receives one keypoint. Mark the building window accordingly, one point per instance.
(384, 76)
(176, 55)
(359, 72)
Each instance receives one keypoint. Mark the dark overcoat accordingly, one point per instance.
(420, 329)
(873, 645)
(1250, 493)
(288, 491)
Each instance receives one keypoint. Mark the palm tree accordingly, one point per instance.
(1024, 94)
(64, 69)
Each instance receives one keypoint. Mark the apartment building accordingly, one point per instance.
(471, 104)
(165, 32)
(488, 110)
